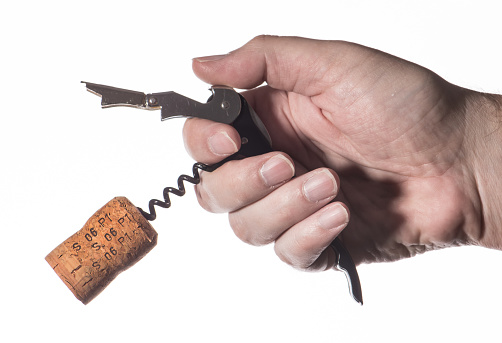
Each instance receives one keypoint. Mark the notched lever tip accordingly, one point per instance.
(112, 96)
(89, 88)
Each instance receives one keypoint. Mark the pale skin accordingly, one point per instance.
(368, 147)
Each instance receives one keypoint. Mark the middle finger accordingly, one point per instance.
(265, 220)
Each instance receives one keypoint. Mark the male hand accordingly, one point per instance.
(360, 131)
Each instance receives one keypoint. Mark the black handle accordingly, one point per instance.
(255, 139)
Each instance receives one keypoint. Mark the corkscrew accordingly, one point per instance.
(180, 191)
(226, 106)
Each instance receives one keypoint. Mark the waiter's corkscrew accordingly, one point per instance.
(225, 106)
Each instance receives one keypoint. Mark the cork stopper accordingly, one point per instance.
(113, 239)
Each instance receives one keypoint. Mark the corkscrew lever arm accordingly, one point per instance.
(225, 106)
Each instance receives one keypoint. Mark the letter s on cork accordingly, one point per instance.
(112, 240)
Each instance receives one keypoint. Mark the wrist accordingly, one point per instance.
(485, 136)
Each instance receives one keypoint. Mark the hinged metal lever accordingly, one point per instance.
(224, 105)
(113, 96)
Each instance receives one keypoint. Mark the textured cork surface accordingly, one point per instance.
(112, 240)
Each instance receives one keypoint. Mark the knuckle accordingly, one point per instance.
(285, 212)
(291, 259)
(296, 253)
(202, 198)
(206, 200)
(262, 239)
(214, 194)
(242, 230)
(261, 42)
(239, 196)
(282, 255)
(260, 39)
(190, 140)
(239, 227)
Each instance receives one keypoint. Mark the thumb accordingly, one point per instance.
(287, 63)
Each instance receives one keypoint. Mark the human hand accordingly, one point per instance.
(386, 139)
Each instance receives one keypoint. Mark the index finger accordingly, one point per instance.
(293, 64)
(208, 141)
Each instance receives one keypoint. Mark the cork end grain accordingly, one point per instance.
(112, 240)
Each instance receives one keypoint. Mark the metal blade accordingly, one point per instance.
(111, 96)
(347, 265)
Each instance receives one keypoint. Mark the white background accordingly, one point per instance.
(63, 157)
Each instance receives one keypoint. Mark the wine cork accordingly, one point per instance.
(113, 239)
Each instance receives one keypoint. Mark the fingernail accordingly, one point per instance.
(210, 58)
(221, 144)
(277, 170)
(334, 217)
(320, 186)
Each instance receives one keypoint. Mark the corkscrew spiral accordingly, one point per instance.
(180, 191)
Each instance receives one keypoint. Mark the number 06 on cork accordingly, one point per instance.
(112, 240)
(119, 234)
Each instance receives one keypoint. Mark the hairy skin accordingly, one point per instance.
(409, 148)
